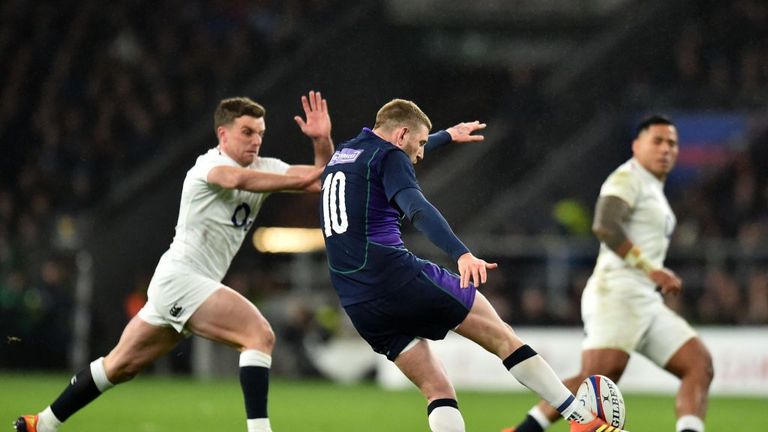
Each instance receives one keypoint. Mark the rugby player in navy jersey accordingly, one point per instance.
(395, 299)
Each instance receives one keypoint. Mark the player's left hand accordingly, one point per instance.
(318, 123)
(667, 281)
(476, 269)
(462, 132)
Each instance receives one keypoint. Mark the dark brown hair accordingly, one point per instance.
(232, 108)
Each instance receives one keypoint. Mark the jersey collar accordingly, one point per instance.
(647, 175)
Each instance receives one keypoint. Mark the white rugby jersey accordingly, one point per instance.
(213, 221)
(650, 224)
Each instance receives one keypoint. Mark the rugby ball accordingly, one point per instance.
(602, 396)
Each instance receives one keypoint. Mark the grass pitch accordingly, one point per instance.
(159, 404)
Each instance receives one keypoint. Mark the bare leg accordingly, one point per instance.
(484, 326)
(228, 317)
(424, 370)
(692, 363)
(140, 345)
(421, 366)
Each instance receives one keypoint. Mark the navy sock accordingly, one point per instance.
(441, 402)
(529, 425)
(523, 353)
(255, 383)
(80, 392)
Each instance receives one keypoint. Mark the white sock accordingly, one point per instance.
(446, 419)
(99, 375)
(47, 421)
(532, 371)
(254, 357)
(259, 425)
(690, 422)
(540, 417)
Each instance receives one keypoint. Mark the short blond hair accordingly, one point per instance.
(401, 112)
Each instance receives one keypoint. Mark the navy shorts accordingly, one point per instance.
(428, 306)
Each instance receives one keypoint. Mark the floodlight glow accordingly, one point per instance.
(288, 240)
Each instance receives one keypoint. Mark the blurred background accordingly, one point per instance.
(103, 109)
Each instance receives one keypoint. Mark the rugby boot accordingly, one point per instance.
(596, 425)
(27, 423)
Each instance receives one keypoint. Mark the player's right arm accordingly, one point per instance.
(610, 214)
(231, 177)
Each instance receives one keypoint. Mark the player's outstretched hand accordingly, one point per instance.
(667, 280)
(462, 132)
(318, 122)
(476, 269)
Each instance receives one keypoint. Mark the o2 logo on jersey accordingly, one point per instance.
(240, 217)
(334, 204)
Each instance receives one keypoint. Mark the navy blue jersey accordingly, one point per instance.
(361, 223)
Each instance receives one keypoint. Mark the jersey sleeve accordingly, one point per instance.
(207, 162)
(437, 140)
(622, 184)
(272, 165)
(397, 173)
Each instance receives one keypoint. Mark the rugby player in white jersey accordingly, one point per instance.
(622, 305)
(221, 196)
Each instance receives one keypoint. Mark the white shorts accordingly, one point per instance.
(174, 294)
(641, 323)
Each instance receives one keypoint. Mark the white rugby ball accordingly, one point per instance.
(602, 396)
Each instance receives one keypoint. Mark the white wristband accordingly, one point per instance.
(636, 259)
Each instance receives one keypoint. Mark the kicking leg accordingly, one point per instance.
(484, 327)
(419, 364)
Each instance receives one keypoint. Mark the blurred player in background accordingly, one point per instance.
(397, 300)
(221, 196)
(622, 305)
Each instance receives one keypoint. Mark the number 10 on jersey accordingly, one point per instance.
(334, 204)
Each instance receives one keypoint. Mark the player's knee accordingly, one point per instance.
(700, 366)
(705, 370)
(268, 337)
(261, 336)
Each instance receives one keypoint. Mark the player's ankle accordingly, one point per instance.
(47, 421)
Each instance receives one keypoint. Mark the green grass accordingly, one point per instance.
(155, 404)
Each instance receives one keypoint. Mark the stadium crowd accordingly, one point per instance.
(718, 61)
(88, 93)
